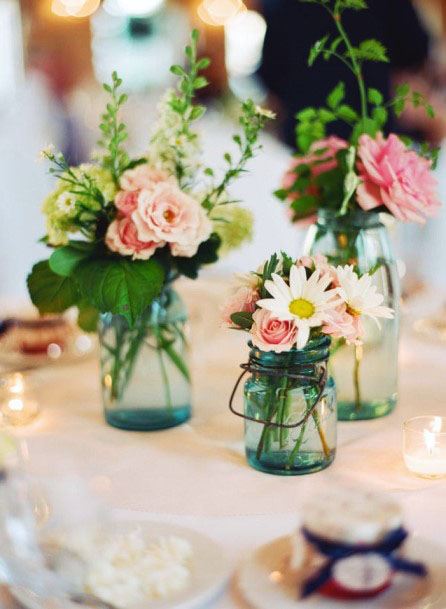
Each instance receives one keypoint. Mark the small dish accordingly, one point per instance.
(210, 570)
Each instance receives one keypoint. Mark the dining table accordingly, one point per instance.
(196, 475)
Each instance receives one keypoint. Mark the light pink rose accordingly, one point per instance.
(319, 163)
(172, 216)
(270, 334)
(202, 234)
(126, 201)
(320, 262)
(122, 238)
(397, 177)
(143, 177)
(340, 324)
(242, 301)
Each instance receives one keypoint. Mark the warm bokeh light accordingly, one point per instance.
(244, 35)
(132, 7)
(75, 8)
(219, 12)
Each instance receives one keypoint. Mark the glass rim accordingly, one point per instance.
(409, 424)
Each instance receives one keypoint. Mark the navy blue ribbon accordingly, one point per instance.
(335, 551)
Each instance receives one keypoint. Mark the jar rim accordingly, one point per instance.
(316, 350)
(355, 219)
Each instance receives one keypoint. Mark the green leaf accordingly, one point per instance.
(120, 286)
(356, 5)
(375, 97)
(88, 317)
(281, 194)
(177, 70)
(65, 259)
(207, 254)
(306, 114)
(367, 125)
(200, 82)
(50, 292)
(347, 113)
(380, 115)
(243, 320)
(372, 50)
(402, 90)
(305, 206)
(317, 49)
(336, 96)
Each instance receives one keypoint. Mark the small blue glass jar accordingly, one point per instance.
(290, 410)
(144, 369)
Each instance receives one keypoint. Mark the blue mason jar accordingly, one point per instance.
(144, 369)
(290, 410)
(366, 376)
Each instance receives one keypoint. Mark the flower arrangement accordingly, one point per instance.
(123, 229)
(368, 171)
(291, 309)
(286, 303)
(141, 221)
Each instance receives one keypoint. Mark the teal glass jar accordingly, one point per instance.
(366, 376)
(144, 369)
(290, 410)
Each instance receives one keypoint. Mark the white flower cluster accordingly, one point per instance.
(168, 146)
(126, 569)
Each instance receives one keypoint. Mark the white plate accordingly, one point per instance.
(263, 583)
(210, 570)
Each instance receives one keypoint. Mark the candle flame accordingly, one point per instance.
(429, 441)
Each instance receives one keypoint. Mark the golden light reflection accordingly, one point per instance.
(74, 8)
(219, 12)
(276, 577)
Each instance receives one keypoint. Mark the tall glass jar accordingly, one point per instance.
(366, 376)
(290, 410)
(144, 369)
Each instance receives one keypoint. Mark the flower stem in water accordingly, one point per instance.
(356, 376)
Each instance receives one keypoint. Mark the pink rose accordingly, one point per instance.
(126, 201)
(319, 163)
(242, 301)
(172, 216)
(396, 177)
(143, 177)
(340, 324)
(122, 238)
(270, 334)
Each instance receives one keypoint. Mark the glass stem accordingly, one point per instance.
(165, 376)
(356, 377)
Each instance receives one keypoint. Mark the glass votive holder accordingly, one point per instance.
(424, 446)
(18, 405)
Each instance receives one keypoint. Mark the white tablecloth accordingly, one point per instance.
(196, 475)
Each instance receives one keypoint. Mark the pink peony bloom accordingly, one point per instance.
(122, 238)
(340, 324)
(143, 177)
(320, 163)
(172, 216)
(270, 334)
(242, 301)
(396, 177)
(126, 201)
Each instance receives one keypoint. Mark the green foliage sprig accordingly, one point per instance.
(114, 132)
(252, 120)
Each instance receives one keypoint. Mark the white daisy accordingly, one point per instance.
(360, 295)
(305, 301)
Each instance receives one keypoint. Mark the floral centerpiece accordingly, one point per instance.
(124, 229)
(344, 186)
(291, 311)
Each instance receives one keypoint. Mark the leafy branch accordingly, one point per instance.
(81, 183)
(252, 120)
(114, 132)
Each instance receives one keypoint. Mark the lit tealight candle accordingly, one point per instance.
(424, 446)
(17, 405)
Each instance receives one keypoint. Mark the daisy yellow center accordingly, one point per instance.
(301, 308)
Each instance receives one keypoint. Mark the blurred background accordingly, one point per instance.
(55, 53)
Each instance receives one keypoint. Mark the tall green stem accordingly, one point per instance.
(356, 66)
(356, 377)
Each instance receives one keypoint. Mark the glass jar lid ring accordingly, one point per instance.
(320, 380)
